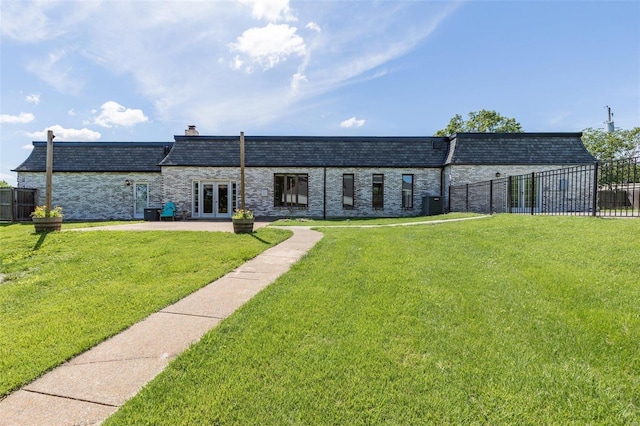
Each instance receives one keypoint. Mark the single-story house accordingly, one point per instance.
(285, 176)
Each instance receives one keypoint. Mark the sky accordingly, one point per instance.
(143, 70)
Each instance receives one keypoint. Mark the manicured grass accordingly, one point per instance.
(75, 225)
(370, 221)
(505, 320)
(64, 292)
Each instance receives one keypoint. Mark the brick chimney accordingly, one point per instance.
(191, 130)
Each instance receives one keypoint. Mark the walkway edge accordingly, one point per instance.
(90, 387)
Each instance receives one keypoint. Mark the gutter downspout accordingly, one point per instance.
(324, 196)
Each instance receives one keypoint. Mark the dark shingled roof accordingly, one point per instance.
(518, 148)
(310, 151)
(290, 151)
(97, 157)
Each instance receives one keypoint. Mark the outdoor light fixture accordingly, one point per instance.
(127, 182)
(498, 174)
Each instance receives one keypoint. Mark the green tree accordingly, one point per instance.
(4, 184)
(612, 145)
(483, 121)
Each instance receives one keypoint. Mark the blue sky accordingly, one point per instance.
(143, 70)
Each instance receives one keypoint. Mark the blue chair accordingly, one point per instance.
(169, 210)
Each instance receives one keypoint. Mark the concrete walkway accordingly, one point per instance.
(92, 386)
(188, 225)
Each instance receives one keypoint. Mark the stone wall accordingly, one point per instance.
(105, 196)
(425, 182)
(557, 189)
(94, 196)
(259, 190)
(459, 175)
(471, 174)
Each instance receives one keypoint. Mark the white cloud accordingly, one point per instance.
(56, 70)
(237, 63)
(33, 98)
(115, 114)
(187, 81)
(313, 27)
(296, 80)
(23, 117)
(63, 134)
(71, 112)
(44, 19)
(352, 122)
(270, 45)
(24, 15)
(271, 10)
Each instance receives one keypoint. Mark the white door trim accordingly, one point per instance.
(138, 210)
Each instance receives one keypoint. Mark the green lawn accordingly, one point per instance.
(512, 319)
(361, 221)
(63, 292)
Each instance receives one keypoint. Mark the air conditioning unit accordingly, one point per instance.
(432, 205)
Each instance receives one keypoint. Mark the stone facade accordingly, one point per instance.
(458, 175)
(557, 189)
(201, 174)
(94, 196)
(426, 181)
(106, 196)
(259, 190)
(476, 198)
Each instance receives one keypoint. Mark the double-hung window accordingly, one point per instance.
(348, 201)
(291, 190)
(407, 191)
(378, 191)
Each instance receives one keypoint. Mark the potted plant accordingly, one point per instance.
(46, 221)
(242, 221)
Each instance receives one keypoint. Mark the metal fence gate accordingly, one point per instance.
(610, 188)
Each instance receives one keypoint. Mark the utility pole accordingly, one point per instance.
(242, 171)
(50, 137)
(609, 123)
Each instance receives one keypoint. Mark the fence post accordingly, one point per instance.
(594, 202)
(466, 208)
(491, 196)
(532, 192)
(509, 201)
(14, 204)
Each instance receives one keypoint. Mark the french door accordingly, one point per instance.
(213, 199)
(524, 194)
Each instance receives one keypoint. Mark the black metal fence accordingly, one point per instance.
(16, 204)
(609, 188)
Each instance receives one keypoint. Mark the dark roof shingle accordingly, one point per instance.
(309, 151)
(518, 148)
(97, 157)
(268, 151)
